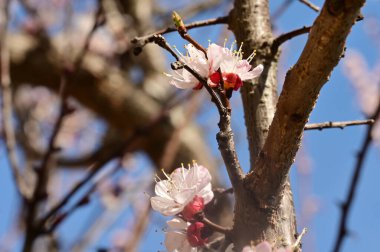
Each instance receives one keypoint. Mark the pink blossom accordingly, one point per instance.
(193, 207)
(234, 68)
(195, 234)
(176, 237)
(196, 60)
(180, 188)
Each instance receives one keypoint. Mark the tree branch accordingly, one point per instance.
(341, 125)
(289, 35)
(140, 42)
(310, 5)
(347, 204)
(300, 92)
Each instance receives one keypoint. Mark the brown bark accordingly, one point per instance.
(264, 207)
(274, 223)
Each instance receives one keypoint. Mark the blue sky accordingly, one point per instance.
(332, 152)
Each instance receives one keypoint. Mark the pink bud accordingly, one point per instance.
(232, 80)
(193, 207)
(194, 234)
(215, 78)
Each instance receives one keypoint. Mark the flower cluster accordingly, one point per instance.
(184, 194)
(233, 68)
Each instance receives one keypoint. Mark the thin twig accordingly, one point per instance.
(39, 194)
(310, 5)
(201, 217)
(297, 244)
(340, 125)
(84, 198)
(140, 42)
(289, 35)
(6, 108)
(347, 204)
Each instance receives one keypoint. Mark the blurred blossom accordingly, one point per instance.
(234, 68)
(38, 107)
(367, 84)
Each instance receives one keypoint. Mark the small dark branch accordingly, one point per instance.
(287, 36)
(6, 106)
(83, 200)
(221, 191)
(310, 5)
(215, 226)
(202, 218)
(93, 171)
(297, 245)
(347, 204)
(99, 21)
(39, 193)
(140, 42)
(340, 125)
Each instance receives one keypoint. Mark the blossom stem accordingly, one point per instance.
(201, 217)
(215, 226)
(297, 244)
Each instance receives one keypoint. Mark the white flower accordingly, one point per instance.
(196, 60)
(234, 68)
(180, 188)
(176, 237)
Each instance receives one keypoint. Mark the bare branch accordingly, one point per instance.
(289, 35)
(341, 125)
(310, 5)
(201, 217)
(297, 245)
(140, 42)
(347, 204)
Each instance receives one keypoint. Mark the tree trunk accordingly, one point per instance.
(275, 221)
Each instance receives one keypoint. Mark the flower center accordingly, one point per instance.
(232, 81)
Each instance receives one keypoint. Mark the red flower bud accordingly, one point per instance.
(194, 234)
(193, 207)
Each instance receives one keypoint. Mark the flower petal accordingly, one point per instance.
(206, 193)
(177, 224)
(252, 74)
(167, 207)
(175, 241)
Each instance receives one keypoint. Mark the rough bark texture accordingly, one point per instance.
(275, 223)
(264, 207)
